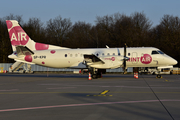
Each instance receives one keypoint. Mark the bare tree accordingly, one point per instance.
(5, 44)
(58, 28)
(14, 17)
(79, 36)
(35, 29)
(141, 21)
(142, 26)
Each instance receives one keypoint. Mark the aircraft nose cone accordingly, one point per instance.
(170, 61)
(174, 62)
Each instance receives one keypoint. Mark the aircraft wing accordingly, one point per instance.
(103, 62)
(92, 59)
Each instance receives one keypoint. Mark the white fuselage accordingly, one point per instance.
(74, 58)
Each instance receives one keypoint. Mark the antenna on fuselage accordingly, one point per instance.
(107, 46)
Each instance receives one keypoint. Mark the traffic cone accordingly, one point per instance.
(136, 75)
(89, 76)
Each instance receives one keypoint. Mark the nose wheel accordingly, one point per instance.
(159, 76)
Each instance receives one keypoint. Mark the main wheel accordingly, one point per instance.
(94, 76)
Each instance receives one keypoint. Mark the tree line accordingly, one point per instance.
(136, 30)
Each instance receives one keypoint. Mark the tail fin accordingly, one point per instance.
(19, 37)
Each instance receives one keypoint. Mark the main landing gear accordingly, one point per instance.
(96, 73)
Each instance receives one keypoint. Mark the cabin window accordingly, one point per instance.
(154, 52)
(108, 54)
(71, 55)
(97, 54)
(113, 53)
(81, 55)
(102, 53)
(129, 54)
(76, 55)
(65, 55)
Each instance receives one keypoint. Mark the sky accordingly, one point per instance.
(88, 10)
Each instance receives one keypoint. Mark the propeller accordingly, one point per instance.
(125, 59)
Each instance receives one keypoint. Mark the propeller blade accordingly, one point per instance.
(125, 58)
(125, 50)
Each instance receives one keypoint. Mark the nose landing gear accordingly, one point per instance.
(158, 76)
(97, 73)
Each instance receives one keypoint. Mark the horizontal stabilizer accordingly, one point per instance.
(24, 61)
(23, 50)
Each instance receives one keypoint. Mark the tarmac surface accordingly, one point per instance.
(74, 97)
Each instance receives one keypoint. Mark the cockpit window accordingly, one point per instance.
(160, 52)
(154, 52)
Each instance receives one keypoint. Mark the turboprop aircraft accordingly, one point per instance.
(96, 60)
